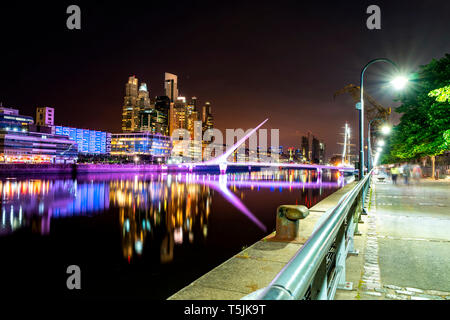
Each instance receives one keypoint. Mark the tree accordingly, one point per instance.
(425, 122)
(441, 94)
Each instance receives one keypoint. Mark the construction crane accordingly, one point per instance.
(372, 108)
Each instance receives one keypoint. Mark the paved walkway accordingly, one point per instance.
(405, 247)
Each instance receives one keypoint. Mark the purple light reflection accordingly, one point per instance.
(222, 186)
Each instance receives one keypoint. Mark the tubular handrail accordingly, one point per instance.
(293, 281)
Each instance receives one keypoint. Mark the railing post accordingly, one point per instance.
(341, 257)
(351, 236)
(356, 215)
(319, 286)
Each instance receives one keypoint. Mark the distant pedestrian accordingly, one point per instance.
(394, 173)
(436, 176)
(406, 173)
(416, 173)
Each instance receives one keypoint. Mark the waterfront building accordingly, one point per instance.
(141, 143)
(21, 141)
(36, 147)
(88, 141)
(45, 116)
(10, 120)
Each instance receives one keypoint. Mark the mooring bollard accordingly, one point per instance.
(287, 223)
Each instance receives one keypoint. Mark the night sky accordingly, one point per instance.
(281, 60)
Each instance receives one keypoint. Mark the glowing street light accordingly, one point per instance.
(399, 82)
(381, 143)
(385, 129)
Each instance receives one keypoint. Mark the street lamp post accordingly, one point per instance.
(361, 112)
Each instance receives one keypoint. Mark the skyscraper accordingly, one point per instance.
(193, 103)
(143, 97)
(192, 115)
(171, 86)
(322, 152)
(318, 151)
(142, 106)
(315, 149)
(207, 117)
(130, 113)
(162, 105)
(179, 117)
(304, 149)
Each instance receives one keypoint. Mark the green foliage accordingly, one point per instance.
(424, 126)
(447, 137)
(441, 94)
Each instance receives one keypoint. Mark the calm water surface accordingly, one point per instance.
(138, 235)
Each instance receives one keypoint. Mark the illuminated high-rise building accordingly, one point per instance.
(318, 151)
(207, 117)
(171, 86)
(304, 149)
(193, 103)
(179, 115)
(144, 111)
(45, 116)
(192, 115)
(162, 105)
(130, 109)
(143, 101)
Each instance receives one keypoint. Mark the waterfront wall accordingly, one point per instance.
(80, 168)
(22, 168)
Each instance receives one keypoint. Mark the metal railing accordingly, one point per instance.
(318, 268)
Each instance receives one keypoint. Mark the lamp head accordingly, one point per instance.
(399, 82)
(386, 129)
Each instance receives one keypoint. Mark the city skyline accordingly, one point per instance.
(282, 63)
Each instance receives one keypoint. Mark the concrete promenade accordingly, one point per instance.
(405, 244)
(255, 267)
